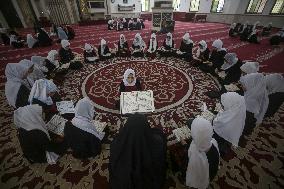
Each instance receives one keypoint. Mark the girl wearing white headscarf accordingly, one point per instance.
(82, 135)
(256, 95)
(185, 49)
(202, 53)
(51, 61)
(275, 89)
(232, 68)
(61, 34)
(138, 46)
(15, 40)
(233, 30)
(17, 88)
(131, 24)
(253, 37)
(66, 56)
(230, 122)
(247, 29)
(203, 155)
(42, 92)
(90, 56)
(104, 51)
(123, 49)
(267, 30)
(250, 67)
(168, 46)
(152, 46)
(33, 135)
(32, 42)
(40, 70)
(130, 82)
(110, 24)
(31, 77)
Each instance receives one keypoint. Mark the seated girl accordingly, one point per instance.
(43, 38)
(185, 50)
(267, 30)
(138, 147)
(202, 53)
(33, 136)
(232, 69)
(233, 32)
(110, 25)
(66, 56)
(40, 70)
(44, 93)
(119, 25)
(15, 40)
(61, 34)
(275, 89)
(277, 38)
(90, 56)
(81, 134)
(138, 24)
(104, 51)
(253, 37)
(130, 82)
(4, 36)
(51, 62)
(17, 87)
(70, 32)
(168, 46)
(152, 46)
(203, 155)
(131, 24)
(31, 41)
(256, 97)
(122, 48)
(125, 24)
(229, 124)
(138, 46)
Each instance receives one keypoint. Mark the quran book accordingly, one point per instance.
(137, 101)
(91, 59)
(232, 87)
(222, 74)
(182, 133)
(56, 125)
(208, 115)
(100, 126)
(218, 107)
(65, 107)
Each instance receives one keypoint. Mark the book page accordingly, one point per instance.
(65, 107)
(56, 125)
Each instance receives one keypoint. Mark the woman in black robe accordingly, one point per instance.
(266, 30)
(4, 36)
(233, 32)
(123, 50)
(81, 134)
(202, 54)
(104, 51)
(167, 49)
(138, 46)
(66, 56)
(232, 68)
(43, 39)
(138, 156)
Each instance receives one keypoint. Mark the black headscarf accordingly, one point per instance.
(131, 164)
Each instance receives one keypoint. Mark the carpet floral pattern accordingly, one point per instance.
(179, 92)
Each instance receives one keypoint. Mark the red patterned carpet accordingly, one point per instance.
(179, 91)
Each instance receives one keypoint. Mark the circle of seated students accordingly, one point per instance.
(252, 33)
(31, 91)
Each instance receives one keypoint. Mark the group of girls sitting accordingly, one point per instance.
(248, 32)
(41, 39)
(119, 24)
(140, 49)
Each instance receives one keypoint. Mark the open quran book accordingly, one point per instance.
(182, 133)
(137, 101)
(56, 125)
(100, 126)
(65, 107)
(206, 114)
(231, 87)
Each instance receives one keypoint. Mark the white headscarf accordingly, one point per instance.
(122, 40)
(88, 47)
(30, 118)
(231, 59)
(204, 47)
(169, 42)
(233, 26)
(153, 43)
(110, 21)
(274, 83)
(40, 91)
(65, 43)
(187, 39)
(14, 73)
(51, 57)
(39, 67)
(61, 34)
(84, 114)
(256, 96)
(250, 67)
(138, 41)
(30, 78)
(103, 46)
(197, 174)
(229, 124)
(218, 44)
(126, 74)
(30, 40)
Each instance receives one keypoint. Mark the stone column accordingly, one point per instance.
(19, 12)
